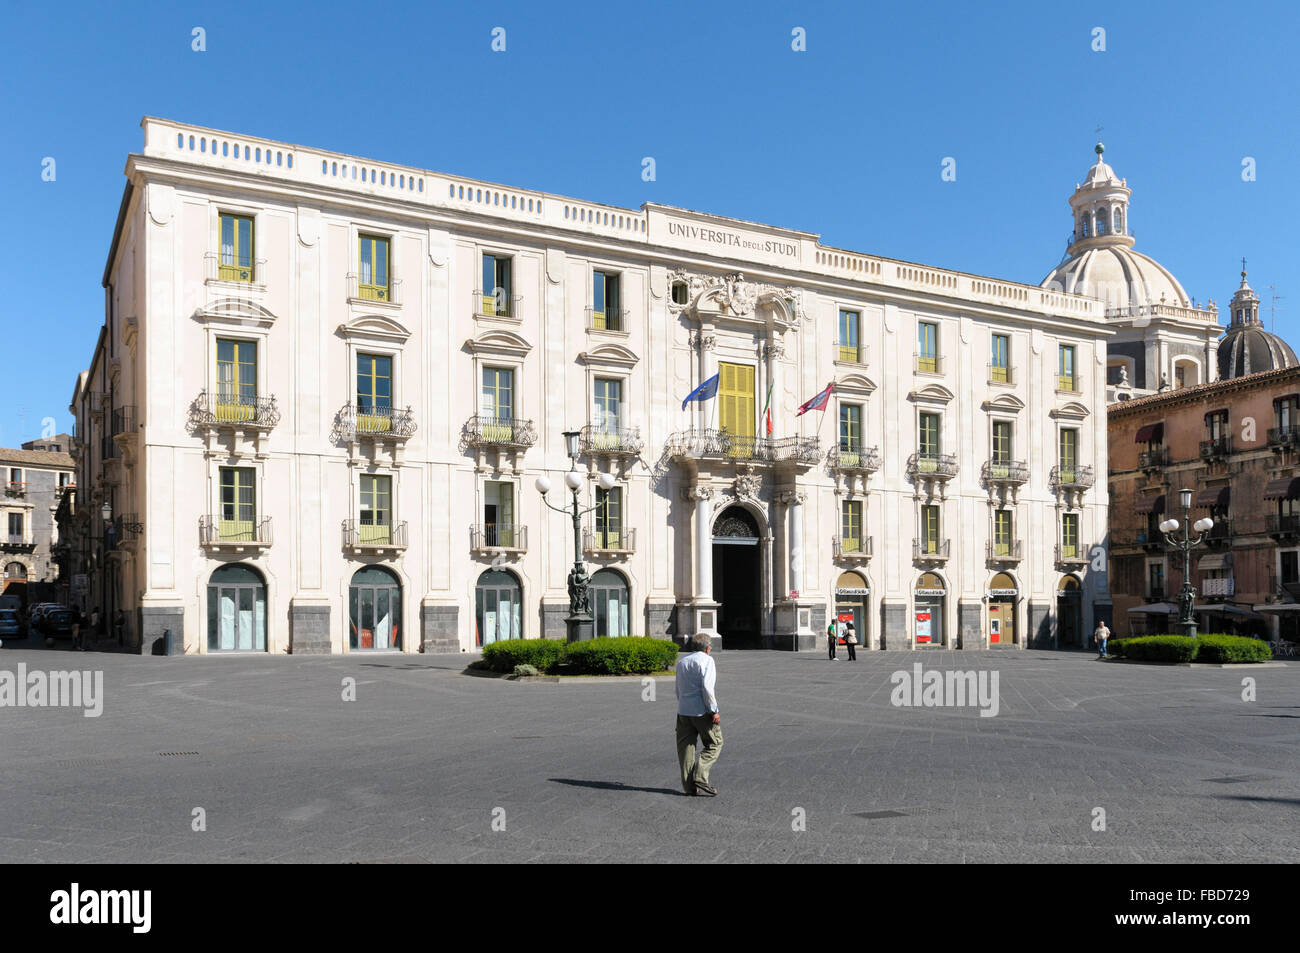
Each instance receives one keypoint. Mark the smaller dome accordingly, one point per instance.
(1249, 349)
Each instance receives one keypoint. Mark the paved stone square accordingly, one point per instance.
(416, 767)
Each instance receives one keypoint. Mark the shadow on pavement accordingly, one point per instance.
(615, 786)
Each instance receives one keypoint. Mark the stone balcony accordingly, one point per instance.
(1070, 556)
(931, 550)
(597, 440)
(504, 438)
(852, 549)
(234, 536)
(240, 421)
(374, 539)
(1008, 552)
(608, 543)
(490, 538)
(709, 447)
(852, 459)
(372, 432)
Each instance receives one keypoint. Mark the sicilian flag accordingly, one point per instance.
(818, 402)
(704, 392)
(767, 410)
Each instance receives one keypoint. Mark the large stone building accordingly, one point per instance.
(325, 387)
(35, 479)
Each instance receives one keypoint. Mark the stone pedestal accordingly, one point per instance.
(794, 630)
(969, 629)
(154, 620)
(309, 628)
(699, 616)
(893, 626)
(1040, 626)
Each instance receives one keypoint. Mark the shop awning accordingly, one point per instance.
(1287, 488)
(1215, 561)
(1156, 608)
(1213, 496)
(1150, 504)
(1278, 607)
(1151, 433)
(1226, 609)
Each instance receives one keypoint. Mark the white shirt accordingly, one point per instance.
(696, 677)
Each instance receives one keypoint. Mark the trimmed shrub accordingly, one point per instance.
(1161, 648)
(621, 656)
(1232, 648)
(1115, 647)
(542, 654)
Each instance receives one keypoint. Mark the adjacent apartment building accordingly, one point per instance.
(326, 385)
(34, 479)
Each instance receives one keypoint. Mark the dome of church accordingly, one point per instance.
(1246, 348)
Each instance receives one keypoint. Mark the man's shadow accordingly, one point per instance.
(615, 786)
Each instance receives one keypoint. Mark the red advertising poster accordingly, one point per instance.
(845, 617)
(923, 627)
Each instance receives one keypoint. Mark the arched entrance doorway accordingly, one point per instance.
(236, 610)
(1002, 609)
(374, 609)
(609, 602)
(851, 594)
(928, 598)
(498, 610)
(16, 581)
(1069, 613)
(736, 560)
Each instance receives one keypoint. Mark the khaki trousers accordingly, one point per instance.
(689, 729)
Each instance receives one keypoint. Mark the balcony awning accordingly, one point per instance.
(1213, 496)
(1224, 608)
(1214, 561)
(1150, 504)
(1151, 433)
(1287, 488)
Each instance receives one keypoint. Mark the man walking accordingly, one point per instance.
(697, 717)
(1100, 635)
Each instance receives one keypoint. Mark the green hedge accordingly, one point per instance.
(622, 656)
(1233, 648)
(1160, 648)
(542, 654)
(1212, 647)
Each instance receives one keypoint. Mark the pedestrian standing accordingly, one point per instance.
(94, 624)
(1100, 635)
(832, 637)
(119, 625)
(697, 717)
(77, 637)
(851, 641)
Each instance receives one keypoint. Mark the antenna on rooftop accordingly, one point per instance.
(1273, 307)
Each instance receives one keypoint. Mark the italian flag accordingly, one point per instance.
(767, 410)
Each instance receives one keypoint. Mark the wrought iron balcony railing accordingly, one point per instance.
(251, 271)
(930, 549)
(1001, 374)
(216, 531)
(1071, 553)
(489, 431)
(1216, 447)
(1286, 526)
(366, 420)
(1069, 383)
(236, 411)
(942, 466)
(498, 304)
(1280, 437)
(17, 542)
(1005, 471)
(610, 439)
(720, 444)
(609, 540)
(1152, 541)
(1153, 459)
(929, 363)
(1220, 534)
(359, 290)
(359, 535)
(123, 421)
(1078, 476)
(851, 353)
(848, 457)
(16, 488)
(493, 536)
(607, 319)
(1010, 551)
(852, 547)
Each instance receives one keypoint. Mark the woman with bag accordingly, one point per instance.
(851, 640)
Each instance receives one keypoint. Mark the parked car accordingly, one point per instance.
(57, 624)
(35, 612)
(11, 624)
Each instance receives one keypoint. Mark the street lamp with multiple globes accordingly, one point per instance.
(1187, 595)
(579, 621)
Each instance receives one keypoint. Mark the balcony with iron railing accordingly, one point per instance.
(1071, 554)
(1010, 472)
(234, 411)
(599, 540)
(16, 488)
(610, 440)
(1001, 373)
(928, 363)
(852, 458)
(123, 421)
(1004, 551)
(1078, 476)
(1216, 447)
(931, 549)
(235, 535)
(363, 537)
(18, 542)
(938, 466)
(1282, 526)
(243, 269)
(1220, 534)
(1155, 594)
(1069, 384)
(368, 293)
(355, 421)
(743, 448)
(494, 537)
(852, 548)
(1282, 438)
(487, 431)
(851, 354)
(498, 304)
(1153, 459)
(1151, 541)
(607, 319)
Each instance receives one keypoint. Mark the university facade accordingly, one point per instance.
(325, 387)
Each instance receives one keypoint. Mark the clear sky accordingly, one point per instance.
(845, 139)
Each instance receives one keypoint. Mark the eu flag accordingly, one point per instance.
(705, 391)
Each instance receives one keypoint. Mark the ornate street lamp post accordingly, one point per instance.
(1187, 595)
(579, 621)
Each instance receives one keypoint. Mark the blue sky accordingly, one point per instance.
(845, 139)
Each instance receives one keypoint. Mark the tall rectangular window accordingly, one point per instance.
(605, 313)
(376, 523)
(496, 296)
(236, 520)
(927, 347)
(15, 477)
(374, 269)
(851, 526)
(928, 442)
(497, 403)
(1070, 535)
(609, 518)
(850, 322)
(1068, 454)
(850, 433)
(236, 262)
(607, 414)
(1217, 424)
(1000, 359)
(1065, 378)
(15, 527)
(1288, 413)
(736, 405)
(929, 528)
(1001, 444)
(1002, 532)
(499, 514)
(1156, 580)
(374, 393)
(236, 380)
(1290, 567)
